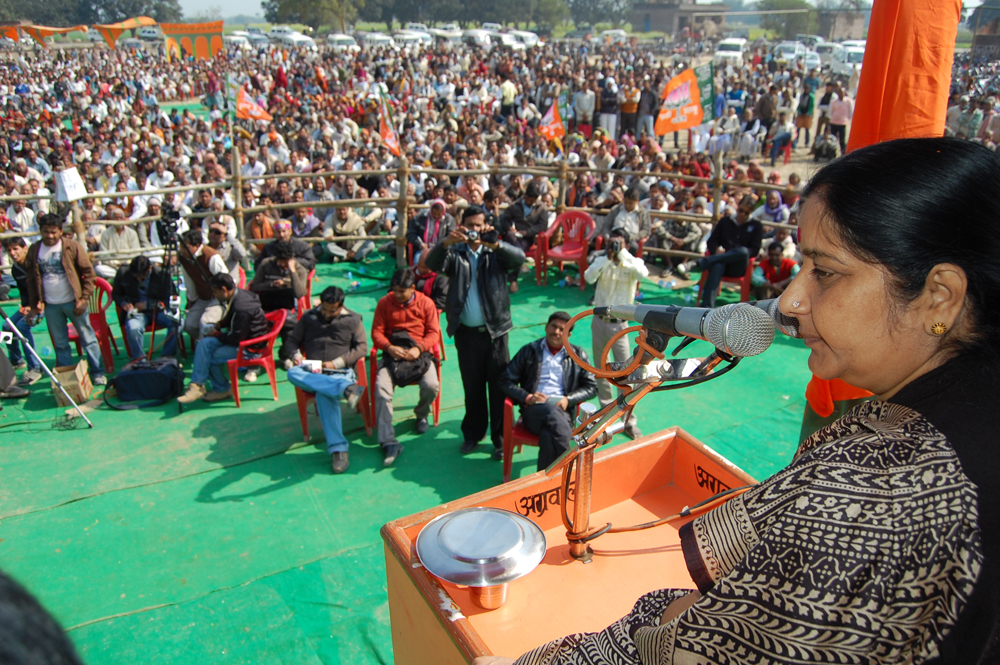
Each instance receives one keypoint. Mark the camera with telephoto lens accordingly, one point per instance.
(166, 225)
(614, 246)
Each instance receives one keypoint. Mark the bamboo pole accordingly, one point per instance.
(563, 186)
(717, 188)
(403, 176)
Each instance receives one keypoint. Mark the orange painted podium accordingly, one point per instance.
(434, 621)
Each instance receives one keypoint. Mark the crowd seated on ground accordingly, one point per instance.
(460, 110)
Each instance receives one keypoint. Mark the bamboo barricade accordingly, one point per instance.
(561, 171)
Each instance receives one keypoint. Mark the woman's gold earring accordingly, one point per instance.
(939, 329)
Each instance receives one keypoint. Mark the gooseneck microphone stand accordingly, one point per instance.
(4, 290)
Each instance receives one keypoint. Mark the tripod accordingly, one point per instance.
(17, 333)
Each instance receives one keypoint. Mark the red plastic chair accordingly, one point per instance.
(303, 397)
(373, 372)
(150, 328)
(266, 360)
(305, 302)
(577, 228)
(100, 300)
(515, 434)
(743, 281)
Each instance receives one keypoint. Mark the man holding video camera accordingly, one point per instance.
(477, 263)
(617, 273)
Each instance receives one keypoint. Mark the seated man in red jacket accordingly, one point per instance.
(770, 278)
(406, 329)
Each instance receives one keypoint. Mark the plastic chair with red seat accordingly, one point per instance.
(100, 300)
(373, 372)
(305, 302)
(577, 228)
(241, 283)
(266, 359)
(515, 434)
(303, 397)
(150, 328)
(743, 281)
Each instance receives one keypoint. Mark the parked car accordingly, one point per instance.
(846, 61)
(730, 51)
(813, 61)
(277, 32)
(492, 27)
(582, 31)
(854, 43)
(377, 40)
(790, 51)
(479, 38)
(93, 36)
(415, 26)
(407, 38)
(340, 42)
(826, 52)
(615, 36)
(509, 41)
(450, 30)
(131, 43)
(810, 40)
(529, 39)
(150, 33)
(236, 42)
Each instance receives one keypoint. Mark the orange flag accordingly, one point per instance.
(552, 126)
(248, 109)
(903, 93)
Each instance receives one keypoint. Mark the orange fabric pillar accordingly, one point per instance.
(903, 93)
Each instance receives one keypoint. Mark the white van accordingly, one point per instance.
(846, 61)
(450, 30)
(407, 38)
(340, 42)
(730, 51)
(507, 40)
(415, 26)
(377, 40)
(616, 36)
(298, 40)
(236, 43)
(278, 32)
(529, 39)
(479, 38)
(827, 51)
(150, 33)
(494, 28)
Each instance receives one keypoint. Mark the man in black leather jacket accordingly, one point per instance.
(548, 385)
(479, 320)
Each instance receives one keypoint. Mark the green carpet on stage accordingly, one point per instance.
(220, 536)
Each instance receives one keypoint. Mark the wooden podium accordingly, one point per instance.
(636, 482)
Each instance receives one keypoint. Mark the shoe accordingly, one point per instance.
(497, 455)
(287, 364)
(29, 377)
(632, 431)
(468, 447)
(193, 394)
(100, 380)
(340, 462)
(14, 392)
(352, 394)
(422, 426)
(218, 396)
(21, 365)
(250, 376)
(514, 288)
(391, 453)
(682, 270)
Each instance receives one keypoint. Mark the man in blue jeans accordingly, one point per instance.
(242, 319)
(732, 244)
(334, 336)
(60, 280)
(20, 357)
(142, 290)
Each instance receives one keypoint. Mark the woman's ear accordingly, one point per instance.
(944, 293)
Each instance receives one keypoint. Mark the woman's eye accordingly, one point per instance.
(821, 274)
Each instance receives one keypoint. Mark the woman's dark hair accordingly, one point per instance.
(332, 295)
(403, 278)
(911, 204)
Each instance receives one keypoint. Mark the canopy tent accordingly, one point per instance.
(202, 40)
(40, 32)
(112, 31)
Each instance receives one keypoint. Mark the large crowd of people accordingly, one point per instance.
(455, 109)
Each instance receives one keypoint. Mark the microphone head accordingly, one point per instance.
(740, 329)
(787, 325)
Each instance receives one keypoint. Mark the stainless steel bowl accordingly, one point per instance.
(480, 547)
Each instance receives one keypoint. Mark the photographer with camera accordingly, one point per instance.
(142, 291)
(616, 273)
(477, 263)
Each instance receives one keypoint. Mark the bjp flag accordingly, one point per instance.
(688, 100)
(552, 125)
(248, 109)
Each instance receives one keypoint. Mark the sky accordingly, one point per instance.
(227, 8)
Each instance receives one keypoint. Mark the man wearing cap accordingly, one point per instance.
(548, 385)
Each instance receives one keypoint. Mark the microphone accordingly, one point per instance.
(739, 329)
(787, 325)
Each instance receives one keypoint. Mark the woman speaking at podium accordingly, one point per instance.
(880, 542)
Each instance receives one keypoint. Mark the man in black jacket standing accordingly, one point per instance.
(548, 385)
(479, 319)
